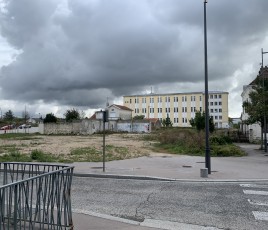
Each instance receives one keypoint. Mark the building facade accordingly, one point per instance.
(180, 107)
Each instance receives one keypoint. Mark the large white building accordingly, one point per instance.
(180, 107)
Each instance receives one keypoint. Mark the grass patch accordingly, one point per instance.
(19, 136)
(91, 154)
(14, 155)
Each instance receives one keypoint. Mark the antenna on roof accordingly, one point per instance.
(151, 90)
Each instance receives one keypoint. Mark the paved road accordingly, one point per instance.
(154, 203)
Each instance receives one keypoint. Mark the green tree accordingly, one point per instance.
(257, 105)
(72, 114)
(138, 117)
(9, 116)
(167, 122)
(50, 118)
(199, 122)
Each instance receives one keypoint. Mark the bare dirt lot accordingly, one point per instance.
(133, 144)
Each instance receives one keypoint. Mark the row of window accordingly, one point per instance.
(176, 110)
(184, 109)
(175, 99)
(215, 103)
(184, 120)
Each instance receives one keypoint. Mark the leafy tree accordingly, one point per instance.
(72, 114)
(138, 117)
(50, 118)
(9, 116)
(199, 122)
(257, 105)
(167, 122)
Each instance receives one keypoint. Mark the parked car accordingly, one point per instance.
(24, 126)
(7, 127)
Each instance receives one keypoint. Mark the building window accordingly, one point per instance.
(220, 103)
(216, 117)
(211, 96)
(216, 110)
(216, 103)
(220, 117)
(200, 98)
(220, 110)
(151, 100)
(130, 100)
(215, 96)
(211, 103)
(176, 99)
(219, 95)
(211, 110)
(200, 109)
(185, 109)
(192, 98)
(185, 98)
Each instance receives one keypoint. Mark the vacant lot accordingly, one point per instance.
(76, 148)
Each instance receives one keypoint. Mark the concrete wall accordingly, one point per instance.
(87, 127)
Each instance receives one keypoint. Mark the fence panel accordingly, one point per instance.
(35, 196)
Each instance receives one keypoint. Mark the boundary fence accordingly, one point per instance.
(35, 196)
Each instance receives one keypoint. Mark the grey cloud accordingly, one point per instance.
(92, 50)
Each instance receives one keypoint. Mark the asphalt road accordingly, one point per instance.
(222, 205)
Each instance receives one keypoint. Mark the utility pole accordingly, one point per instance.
(264, 116)
(207, 153)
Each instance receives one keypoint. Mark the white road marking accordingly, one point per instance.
(260, 215)
(258, 203)
(169, 225)
(254, 192)
(253, 186)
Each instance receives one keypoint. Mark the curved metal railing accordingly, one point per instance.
(35, 196)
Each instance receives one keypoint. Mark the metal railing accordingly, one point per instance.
(35, 196)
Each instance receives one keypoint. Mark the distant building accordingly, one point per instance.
(119, 112)
(180, 107)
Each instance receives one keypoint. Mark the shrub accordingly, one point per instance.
(226, 151)
(220, 140)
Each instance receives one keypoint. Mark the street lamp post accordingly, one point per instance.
(264, 116)
(208, 165)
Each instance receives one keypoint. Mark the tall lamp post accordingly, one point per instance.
(264, 116)
(208, 165)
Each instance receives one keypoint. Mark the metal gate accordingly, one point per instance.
(35, 196)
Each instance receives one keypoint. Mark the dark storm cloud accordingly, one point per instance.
(80, 53)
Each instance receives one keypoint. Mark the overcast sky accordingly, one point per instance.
(60, 54)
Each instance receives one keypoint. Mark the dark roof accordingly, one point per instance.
(263, 73)
(93, 117)
(121, 107)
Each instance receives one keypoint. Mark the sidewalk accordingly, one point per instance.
(252, 167)
(181, 167)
